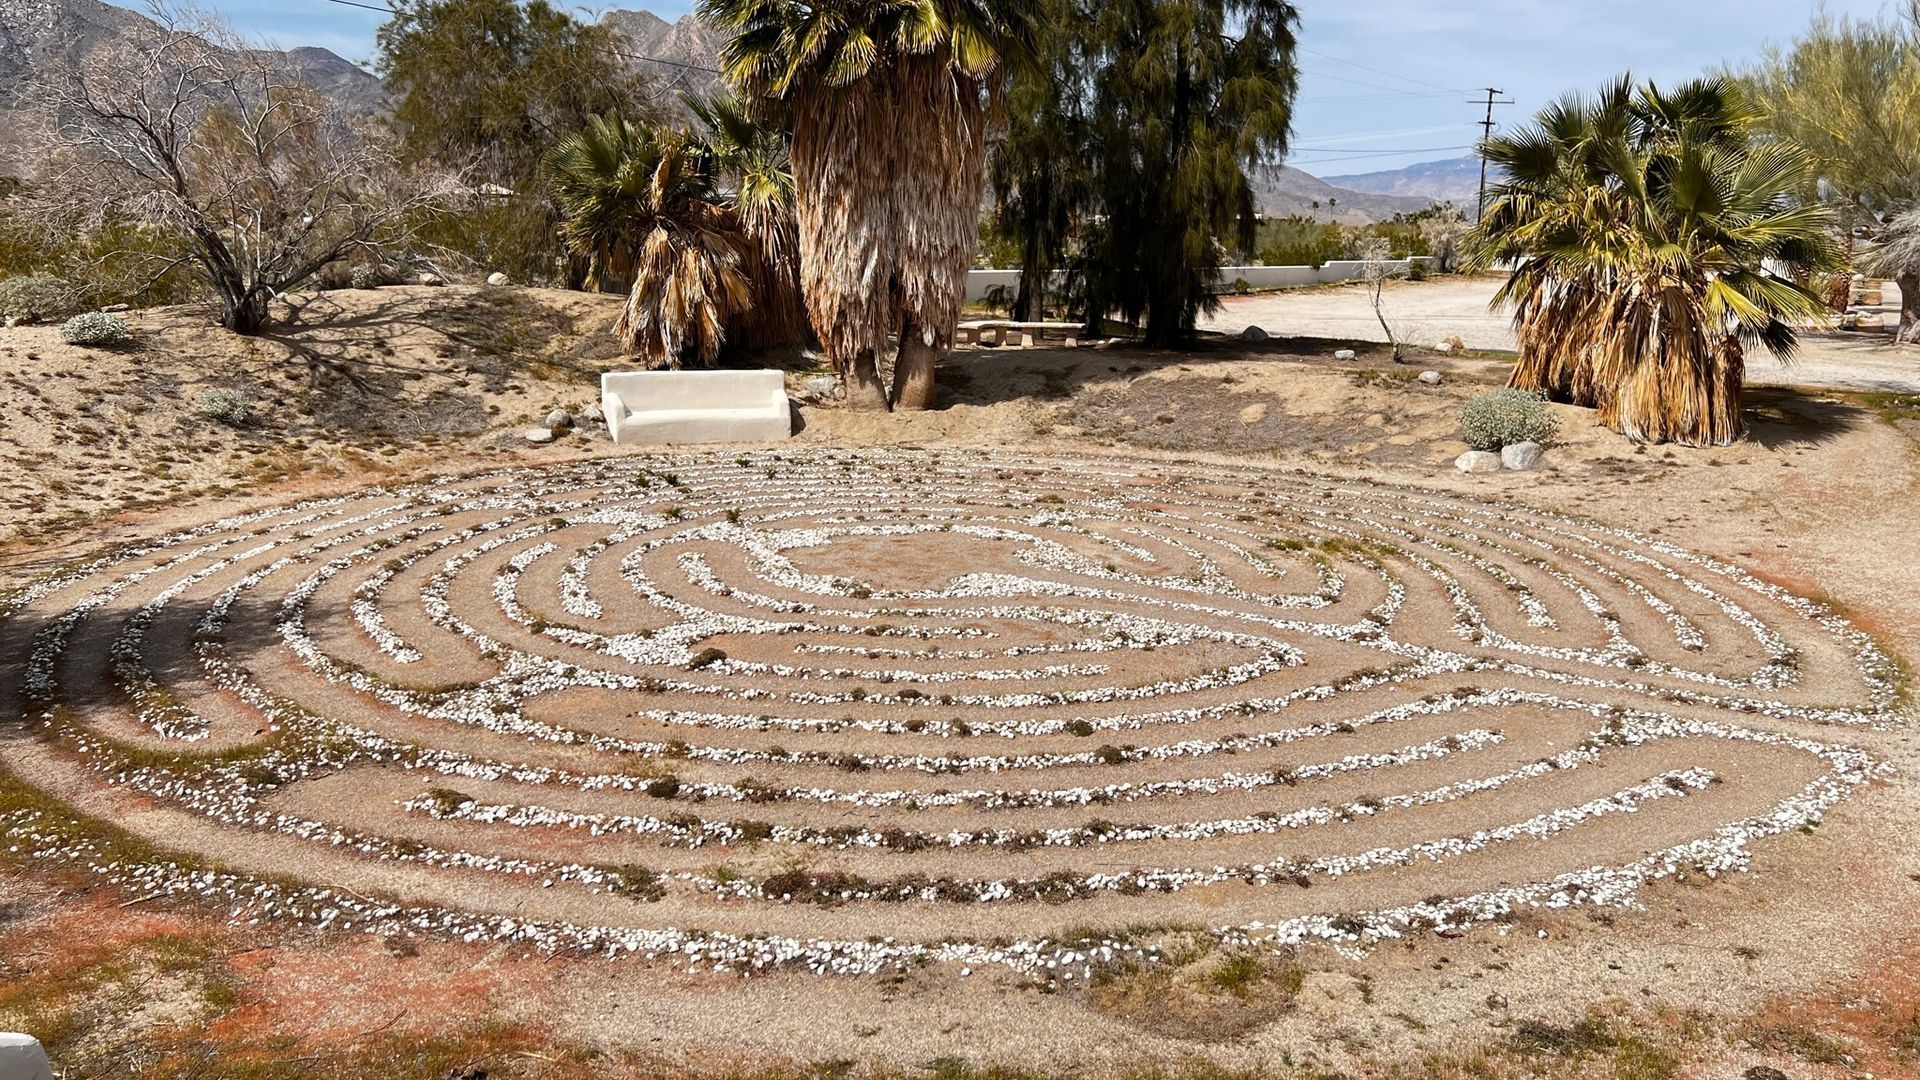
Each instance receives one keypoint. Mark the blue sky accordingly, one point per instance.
(1387, 81)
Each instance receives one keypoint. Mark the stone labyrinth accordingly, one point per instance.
(851, 711)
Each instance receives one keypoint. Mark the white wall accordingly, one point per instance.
(1260, 277)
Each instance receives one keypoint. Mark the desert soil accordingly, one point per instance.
(1205, 522)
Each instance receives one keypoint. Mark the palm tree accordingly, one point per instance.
(755, 158)
(643, 202)
(1655, 242)
(887, 105)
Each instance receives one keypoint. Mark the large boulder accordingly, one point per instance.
(1478, 461)
(1523, 456)
(22, 1058)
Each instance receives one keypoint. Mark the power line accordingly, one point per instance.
(617, 52)
(1395, 90)
(1378, 71)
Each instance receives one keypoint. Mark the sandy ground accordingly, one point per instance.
(1824, 498)
(1432, 311)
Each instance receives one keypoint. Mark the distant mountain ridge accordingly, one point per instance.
(1454, 180)
(36, 33)
(1290, 192)
(683, 55)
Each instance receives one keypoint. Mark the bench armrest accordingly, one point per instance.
(614, 408)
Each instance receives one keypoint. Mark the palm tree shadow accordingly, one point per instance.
(1784, 416)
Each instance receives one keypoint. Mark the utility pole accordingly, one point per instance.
(1486, 132)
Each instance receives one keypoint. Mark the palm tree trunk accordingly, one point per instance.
(1690, 396)
(864, 388)
(1909, 330)
(913, 371)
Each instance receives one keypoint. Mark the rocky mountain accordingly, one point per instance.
(1289, 192)
(35, 33)
(682, 55)
(1455, 180)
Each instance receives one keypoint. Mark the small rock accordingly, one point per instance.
(1478, 461)
(1253, 333)
(1344, 354)
(593, 413)
(115, 309)
(1443, 347)
(539, 435)
(1496, 1000)
(559, 420)
(1254, 413)
(497, 278)
(822, 386)
(428, 277)
(1522, 456)
(1764, 1072)
(12, 321)
(1431, 378)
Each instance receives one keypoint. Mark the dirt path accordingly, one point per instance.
(1427, 312)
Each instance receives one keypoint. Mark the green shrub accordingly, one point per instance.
(96, 329)
(230, 407)
(1505, 417)
(37, 298)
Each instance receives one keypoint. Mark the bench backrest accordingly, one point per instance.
(647, 391)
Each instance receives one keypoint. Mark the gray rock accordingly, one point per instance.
(559, 420)
(428, 277)
(23, 1058)
(1431, 378)
(593, 413)
(1522, 456)
(822, 385)
(1478, 461)
(538, 435)
(12, 321)
(1253, 333)
(497, 278)
(115, 309)
(1444, 347)
(1344, 354)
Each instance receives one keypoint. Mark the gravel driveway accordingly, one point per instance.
(1423, 313)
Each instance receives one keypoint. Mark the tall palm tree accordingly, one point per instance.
(887, 105)
(1654, 243)
(644, 202)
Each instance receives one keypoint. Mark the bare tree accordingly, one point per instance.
(1374, 253)
(186, 128)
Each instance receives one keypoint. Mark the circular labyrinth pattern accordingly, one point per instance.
(849, 711)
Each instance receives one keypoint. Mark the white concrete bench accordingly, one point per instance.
(672, 408)
(994, 333)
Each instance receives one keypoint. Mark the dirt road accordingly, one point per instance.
(1431, 311)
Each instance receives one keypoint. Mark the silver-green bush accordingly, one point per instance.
(230, 407)
(1505, 417)
(96, 329)
(37, 298)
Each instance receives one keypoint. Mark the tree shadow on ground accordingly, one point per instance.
(1786, 416)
